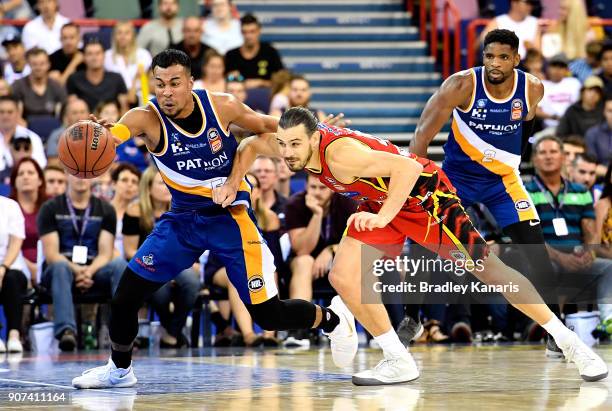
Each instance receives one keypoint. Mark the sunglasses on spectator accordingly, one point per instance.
(22, 145)
(235, 77)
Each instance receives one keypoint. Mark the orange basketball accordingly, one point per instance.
(86, 149)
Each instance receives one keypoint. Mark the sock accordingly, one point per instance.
(391, 345)
(558, 330)
(329, 320)
(122, 359)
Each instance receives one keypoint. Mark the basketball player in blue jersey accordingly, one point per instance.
(187, 133)
(493, 109)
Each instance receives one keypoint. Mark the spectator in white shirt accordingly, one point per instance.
(222, 31)
(125, 56)
(17, 66)
(44, 30)
(560, 91)
(9, 117)
(520, 21)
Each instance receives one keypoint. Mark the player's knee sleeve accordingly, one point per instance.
(276, 314)
(524, 232)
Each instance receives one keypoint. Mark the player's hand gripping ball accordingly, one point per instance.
(86, 149)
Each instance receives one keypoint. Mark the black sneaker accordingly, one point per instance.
(68, 341)
(552, 349)
(409, 330)
(461, 332)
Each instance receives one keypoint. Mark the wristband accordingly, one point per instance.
(121, 132)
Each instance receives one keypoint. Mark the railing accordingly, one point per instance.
(449, 6)
(473, 45)
(78, 22)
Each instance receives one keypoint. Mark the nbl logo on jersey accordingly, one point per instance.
(517, 110)
(214, 139)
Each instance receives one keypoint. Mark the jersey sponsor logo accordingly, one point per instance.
(481, 103)
(350, 194)
(256, 283)
(214, 139)
(522, 205)
(198, 163)
(146, 262)
(479, 113)
(517, 110)
(494, 127)
(334, 184)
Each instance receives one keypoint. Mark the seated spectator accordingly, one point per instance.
(15, 9)
(9, 128)
(38, 94)
(299, 96)
(570, 32)
(560, 91)
(68, 58)
(213, 73)
(44, 30)
(77, 232)
(599, 138)
(254, 60)
(14, 274)
(125, 57)
(5, 88)
(567, 218)
(55, 180)
(20, 147)
(605, 60)
(583, 172)
(102, 187)
(96, 84)
(603, 216)
(280, 91)
(28, 189)
(222, 30)
(572, 146)
(182, 292)
(74, 110)
(16, 67)
(265, 169)
(235, 86)
(125, 179)
(315, 220)
(192, 45)
(157, 35)
(586, 112)
(583, 68)
(283, 186)
(133, 151)
(519, 20)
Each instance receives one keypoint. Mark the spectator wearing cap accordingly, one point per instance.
(605, 59)
(68, 58)
(38, 94)
(560, 91)
(11, 130)
(585, 67)
(20, 147)
(599, 138)
(17, 66)
(157, 35)
(519, 20)
(44, 30)
(256, 61)
(222, 30)
(586, 112)
(192, 44)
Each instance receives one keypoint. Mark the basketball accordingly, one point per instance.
(86, 149)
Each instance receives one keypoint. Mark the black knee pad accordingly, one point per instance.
(267, 314)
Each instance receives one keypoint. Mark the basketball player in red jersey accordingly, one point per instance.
(401, 196)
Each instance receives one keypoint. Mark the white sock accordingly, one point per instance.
(558, 331)
(391, 345)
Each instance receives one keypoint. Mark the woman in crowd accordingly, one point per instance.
(125, 178)
(213, 73)
(280, 92)
(138, 221)
(221, 30)
(29, 190)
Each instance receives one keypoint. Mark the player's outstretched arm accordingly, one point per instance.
(456, 91)
(133, 123)
(348, 159)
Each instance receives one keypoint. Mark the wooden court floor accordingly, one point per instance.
(488, 377)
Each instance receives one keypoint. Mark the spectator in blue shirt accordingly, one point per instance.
(599, 138)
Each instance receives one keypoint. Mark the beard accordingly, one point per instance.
(297, 164)
(499, 80)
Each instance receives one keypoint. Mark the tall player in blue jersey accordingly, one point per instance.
(187, 133)
(493, 109)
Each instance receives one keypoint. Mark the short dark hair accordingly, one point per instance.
(249, 19)
(171, 57)
(93, 42)
(121, 167)
(586, 157)
(575, 140)
(607, 46)
(546, 138)
(298, 77)
(299, 115)
(70, 24)
(502, 36)
(35, 51)
(10, 98)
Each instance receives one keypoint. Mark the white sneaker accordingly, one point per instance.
(14, 345)
(590, 366)
(389, 371)
(106, 376)
(344, 340)
(2, 346)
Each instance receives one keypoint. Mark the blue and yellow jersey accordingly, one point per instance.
(485, 139)
(192, 165)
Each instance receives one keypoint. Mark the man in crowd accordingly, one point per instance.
(157, 35)
(192, 44)
(44, 30)
(16, 67)
(68, 58)
(74, 110)
(55, 180)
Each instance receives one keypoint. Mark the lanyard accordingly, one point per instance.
(74, 218)
(548, 195)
